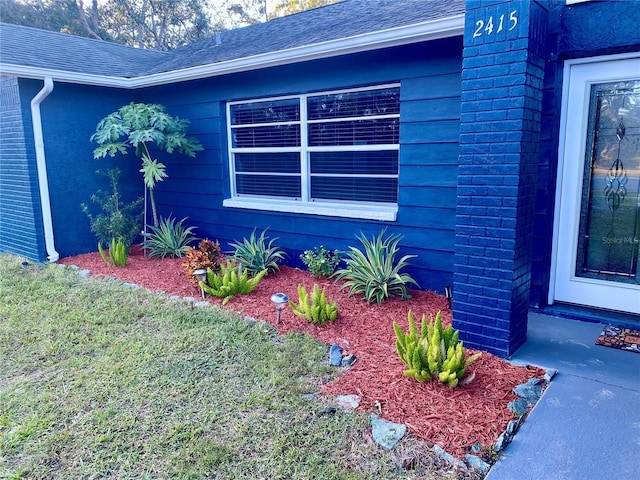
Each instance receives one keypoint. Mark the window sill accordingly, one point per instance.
(367, 212)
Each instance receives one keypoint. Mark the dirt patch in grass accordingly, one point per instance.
(455, 419)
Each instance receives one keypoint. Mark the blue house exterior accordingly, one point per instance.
(477, 130)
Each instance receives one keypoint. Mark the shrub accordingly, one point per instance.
(321, 262)
(169, 238)
(432, 351)
(117, 253)
(119, 220)
(232, 280)
(374, 273)
(255, 254)
(317, 310)
(206, 256)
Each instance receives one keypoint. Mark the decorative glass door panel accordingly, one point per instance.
(610, 209)
(597, 222)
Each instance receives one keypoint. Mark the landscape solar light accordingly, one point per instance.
(201, 276)
(279, 300)
(448, 296)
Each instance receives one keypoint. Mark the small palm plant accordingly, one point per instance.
(255, 254)
(374, 273)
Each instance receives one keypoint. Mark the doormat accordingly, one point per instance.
(622, 338)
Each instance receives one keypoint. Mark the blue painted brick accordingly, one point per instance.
(492, 71)
(493, 137)
(471, 230)
(473, 190)
(486, 221)
(487, 201)
(477, 84)
(476, 61)
(470, 270)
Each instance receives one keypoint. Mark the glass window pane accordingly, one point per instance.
(608, 245)
(271, 185)
(384, 131)
(271, 136)
(272, 111)
(355, 189)
(352, 163)
(286, 162)
(354, 104)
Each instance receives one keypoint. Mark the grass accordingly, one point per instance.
(101, 380)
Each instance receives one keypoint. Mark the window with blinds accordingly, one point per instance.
(338, 147)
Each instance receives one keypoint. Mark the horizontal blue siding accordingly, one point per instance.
(429, 76)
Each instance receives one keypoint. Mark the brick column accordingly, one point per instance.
(502, 77)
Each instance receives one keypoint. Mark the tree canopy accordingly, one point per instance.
(157, 24)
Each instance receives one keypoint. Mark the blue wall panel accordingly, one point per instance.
(21, 231)
(69, 118)
(429, 75)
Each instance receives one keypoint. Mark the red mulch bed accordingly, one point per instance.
(455, 419)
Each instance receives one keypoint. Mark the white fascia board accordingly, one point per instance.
(420, 32)
(63, 76)
(432, 30)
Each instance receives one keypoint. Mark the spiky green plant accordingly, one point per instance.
(117, 253)
(256, 254)
(317, 309)
(374, 273)
(432, 351)
(169, 238)
(232, 280)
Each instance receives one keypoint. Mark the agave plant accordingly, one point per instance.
(169, 238)
(255, 254)
(375, 273)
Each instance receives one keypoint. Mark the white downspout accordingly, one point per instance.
(41, 164)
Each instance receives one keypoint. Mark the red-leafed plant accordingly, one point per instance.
(206, 256)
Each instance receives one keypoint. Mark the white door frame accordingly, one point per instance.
(579, 76)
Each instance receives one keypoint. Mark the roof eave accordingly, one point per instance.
(425, 31)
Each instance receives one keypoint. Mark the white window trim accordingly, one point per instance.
(360, 210)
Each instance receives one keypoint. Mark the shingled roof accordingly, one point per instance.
(44, 50)
(37, 48)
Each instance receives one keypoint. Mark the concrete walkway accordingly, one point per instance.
(586, 426)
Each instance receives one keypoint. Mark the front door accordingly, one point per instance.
(598, 202)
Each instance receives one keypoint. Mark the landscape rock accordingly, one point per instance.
(519, 406)
(348, 402)
(530, 391)
(476, 447)
(335, 355)
(476, 462)
(348, 360)
(386, 434)
(84, 273)
(501, 442)
(548, 376)
(512, 426)
(456, 462)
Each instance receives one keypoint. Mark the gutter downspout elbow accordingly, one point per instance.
(41, 163)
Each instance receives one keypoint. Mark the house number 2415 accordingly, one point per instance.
(502, 23)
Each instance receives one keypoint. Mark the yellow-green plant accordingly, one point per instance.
(317, 309)
(117, 253)
(230, 281)
(375, 272)
(432, 351)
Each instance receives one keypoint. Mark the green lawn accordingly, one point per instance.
(99, 380)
